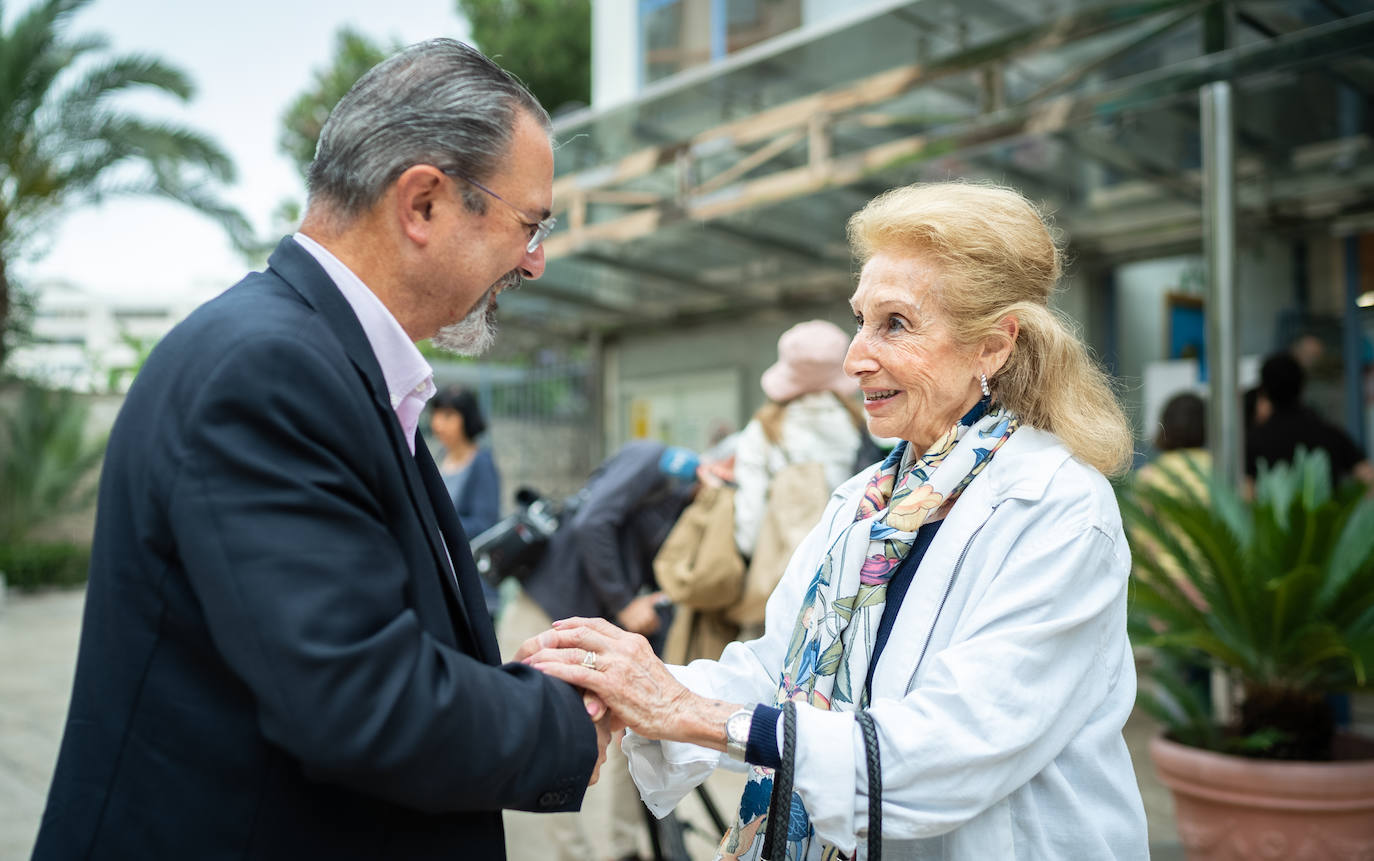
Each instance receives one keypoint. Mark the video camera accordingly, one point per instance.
(513, 546)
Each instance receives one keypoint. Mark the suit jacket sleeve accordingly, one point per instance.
(307, 595)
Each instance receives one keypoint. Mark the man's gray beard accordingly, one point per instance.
(476, 333)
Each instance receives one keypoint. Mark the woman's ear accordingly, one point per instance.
(997, 346)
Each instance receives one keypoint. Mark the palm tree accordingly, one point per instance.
(64, 142)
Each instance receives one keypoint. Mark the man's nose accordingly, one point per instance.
(532, 266)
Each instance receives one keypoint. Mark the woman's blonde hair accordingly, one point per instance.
(997, 257)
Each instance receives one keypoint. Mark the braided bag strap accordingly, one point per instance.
(875, 786)
(780, 804)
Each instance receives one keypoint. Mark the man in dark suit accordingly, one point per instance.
(285, 652)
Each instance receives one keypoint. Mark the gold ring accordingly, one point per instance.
(589, 659)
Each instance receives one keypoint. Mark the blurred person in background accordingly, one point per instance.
(468, 469)
(1183, 464)
(1182, 439)
(812, 416)
(967, 596)
(1292, 423)
(600, 563)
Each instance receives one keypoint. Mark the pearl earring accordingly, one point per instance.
(983, 378)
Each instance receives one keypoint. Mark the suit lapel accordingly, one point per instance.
(303, 273)
(465, 570)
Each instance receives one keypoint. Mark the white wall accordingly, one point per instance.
(615, 52)
(1264, 279)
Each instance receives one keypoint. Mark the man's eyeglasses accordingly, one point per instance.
(542, 227)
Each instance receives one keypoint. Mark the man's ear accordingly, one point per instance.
(420, 195)
(997, 346)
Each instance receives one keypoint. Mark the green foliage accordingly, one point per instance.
(64, 140)
(17, 328)
(118, 379)
(1287, 596)
(547, 43)
(303, 121)
(30, 566)
(46, 460)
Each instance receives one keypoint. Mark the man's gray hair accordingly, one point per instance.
(438, 102)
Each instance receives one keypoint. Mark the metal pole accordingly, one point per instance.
(1224, 429)
(1354, 370)
(597, 399)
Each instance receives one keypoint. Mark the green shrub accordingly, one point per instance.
(47, 464)
(32, 565)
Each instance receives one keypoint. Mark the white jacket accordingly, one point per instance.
(816, 428)
(1000, 697)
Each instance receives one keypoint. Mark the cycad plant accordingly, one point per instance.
(1278, 591)
(47, 461)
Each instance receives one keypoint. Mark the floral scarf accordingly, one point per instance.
(833, 639)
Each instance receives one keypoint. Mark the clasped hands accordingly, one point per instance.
(624, 683)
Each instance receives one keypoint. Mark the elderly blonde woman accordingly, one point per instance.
(966, 600)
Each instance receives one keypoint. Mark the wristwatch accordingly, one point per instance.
(737, 733)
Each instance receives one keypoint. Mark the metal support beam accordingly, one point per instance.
(1224, 429)
(596, 396)
(1350, 338)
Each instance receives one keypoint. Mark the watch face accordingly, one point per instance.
(737, 727)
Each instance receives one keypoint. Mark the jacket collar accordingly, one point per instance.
(304, 274)
(1025, 465)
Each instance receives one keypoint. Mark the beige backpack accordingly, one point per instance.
(797, 495)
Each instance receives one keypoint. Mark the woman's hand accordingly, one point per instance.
(621, 669)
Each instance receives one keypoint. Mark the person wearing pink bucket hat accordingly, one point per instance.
(810, 359)
(812, 416)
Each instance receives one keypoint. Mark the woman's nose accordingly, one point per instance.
(858, 359)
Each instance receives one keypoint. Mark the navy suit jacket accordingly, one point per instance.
(277, 660)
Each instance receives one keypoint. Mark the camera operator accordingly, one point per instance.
(600, 563)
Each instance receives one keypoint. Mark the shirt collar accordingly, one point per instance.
(404, 369)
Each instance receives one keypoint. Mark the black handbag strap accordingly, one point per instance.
(875, 786)
(780, 804)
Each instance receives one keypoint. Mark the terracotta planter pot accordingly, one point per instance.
(1232, 808)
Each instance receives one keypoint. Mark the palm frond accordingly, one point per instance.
(124, 73)
(65, 139)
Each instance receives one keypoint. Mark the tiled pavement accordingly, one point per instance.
(38, 637)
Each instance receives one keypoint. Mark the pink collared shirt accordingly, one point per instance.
(409, 378)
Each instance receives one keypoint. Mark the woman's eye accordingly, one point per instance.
(859, 322)
(895, 324)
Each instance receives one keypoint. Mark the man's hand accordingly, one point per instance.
(640, 615)
(603, 738)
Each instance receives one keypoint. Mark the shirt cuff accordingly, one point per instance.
(764, 736)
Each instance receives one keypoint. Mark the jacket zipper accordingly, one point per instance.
(949, 587)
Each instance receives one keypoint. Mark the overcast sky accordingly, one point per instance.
(248, 59)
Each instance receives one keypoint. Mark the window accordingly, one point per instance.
(681, 34)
